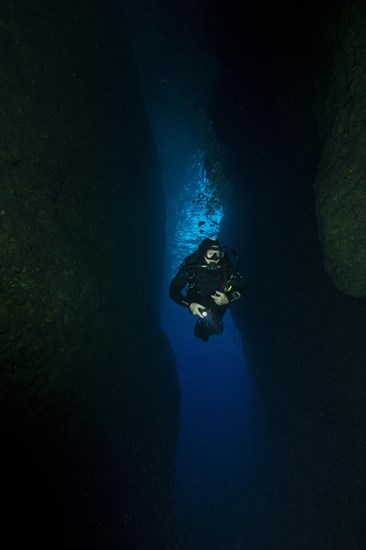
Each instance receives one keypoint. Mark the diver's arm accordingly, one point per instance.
(175, 289)
(220, 298)
(197, 309)
(235, 288)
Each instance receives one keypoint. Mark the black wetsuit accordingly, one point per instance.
(202, 282)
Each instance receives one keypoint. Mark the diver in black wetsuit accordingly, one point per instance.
(212, 284)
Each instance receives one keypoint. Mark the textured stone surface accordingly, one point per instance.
(340, 187)
(87, 389)
(304, 340)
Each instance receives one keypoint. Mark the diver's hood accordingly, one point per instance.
(209, 244)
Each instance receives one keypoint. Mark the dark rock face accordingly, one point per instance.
(88, 391)
(341, 180)
(304, 340)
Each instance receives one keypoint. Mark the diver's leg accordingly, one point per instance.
(217, 322)
(199, 331)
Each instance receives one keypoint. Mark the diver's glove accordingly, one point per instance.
(197, 309)
(220, 298)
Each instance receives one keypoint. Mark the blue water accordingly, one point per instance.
(221, 431)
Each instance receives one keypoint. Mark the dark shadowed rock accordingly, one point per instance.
(341, 179)
(88, 392)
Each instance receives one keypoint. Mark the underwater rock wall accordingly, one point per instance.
(88, 391)
(303, 339)
(340, 186)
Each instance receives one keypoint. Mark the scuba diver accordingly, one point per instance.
(212, 284)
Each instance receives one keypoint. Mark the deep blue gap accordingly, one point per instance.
(258, 457)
